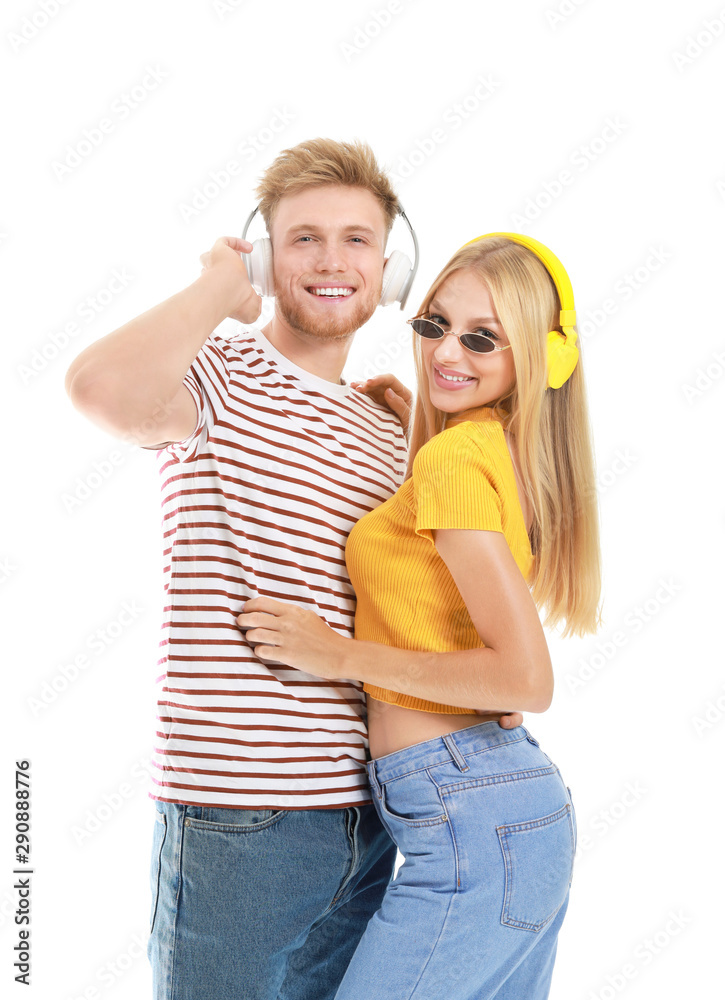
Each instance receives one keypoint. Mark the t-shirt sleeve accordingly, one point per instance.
(208, 382)
(456, 485)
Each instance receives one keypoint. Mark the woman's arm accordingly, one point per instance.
(512, 671)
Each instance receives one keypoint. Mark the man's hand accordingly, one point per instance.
(391, 392)
(509, 721)
(224, 258)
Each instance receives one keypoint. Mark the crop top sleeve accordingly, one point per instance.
(456, 483)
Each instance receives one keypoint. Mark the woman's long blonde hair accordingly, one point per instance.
(551, 428)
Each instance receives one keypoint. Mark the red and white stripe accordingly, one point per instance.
(260, 500)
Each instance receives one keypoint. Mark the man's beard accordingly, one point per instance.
(329, 327)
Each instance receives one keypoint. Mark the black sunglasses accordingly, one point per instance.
(479, 343)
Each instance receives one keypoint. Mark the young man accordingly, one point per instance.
(269, 858)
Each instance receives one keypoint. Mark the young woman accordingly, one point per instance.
(496, 521)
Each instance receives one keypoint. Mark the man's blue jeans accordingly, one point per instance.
(262, 904)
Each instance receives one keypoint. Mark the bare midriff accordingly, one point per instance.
(392, 728)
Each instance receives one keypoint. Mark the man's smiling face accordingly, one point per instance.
(328, 256)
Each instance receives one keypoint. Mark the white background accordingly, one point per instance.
(619, 95)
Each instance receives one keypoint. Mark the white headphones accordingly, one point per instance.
(398, 272)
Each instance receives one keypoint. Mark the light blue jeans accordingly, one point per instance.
(262, 904)
(487, 829)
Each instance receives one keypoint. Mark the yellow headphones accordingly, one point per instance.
(562, 352)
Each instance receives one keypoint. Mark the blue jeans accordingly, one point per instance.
(487, 829)
(262, 904)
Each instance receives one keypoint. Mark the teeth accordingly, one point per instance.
(454, 378)
(335, 292)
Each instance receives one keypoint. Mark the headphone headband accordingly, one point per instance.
(562, 354)
(416, 256)
(248, 222)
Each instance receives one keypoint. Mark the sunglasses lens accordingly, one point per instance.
(426, 328)
(477, 342)
(472, 341)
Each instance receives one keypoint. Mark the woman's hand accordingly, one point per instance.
(284, 633)
(390, 392)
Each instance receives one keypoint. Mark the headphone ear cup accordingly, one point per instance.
(562, 355)
(396, 278)
(259, 266)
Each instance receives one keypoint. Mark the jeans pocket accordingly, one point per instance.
(413, 800)
(538, 857)
(223, 820)
(159, 839)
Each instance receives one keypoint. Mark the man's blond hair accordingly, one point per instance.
(317, 162)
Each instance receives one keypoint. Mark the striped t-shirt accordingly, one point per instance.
(259, 500)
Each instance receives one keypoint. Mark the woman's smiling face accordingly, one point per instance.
(459, 378)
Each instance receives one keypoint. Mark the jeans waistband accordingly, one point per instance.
(454, 746)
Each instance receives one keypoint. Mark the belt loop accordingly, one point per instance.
(455, 753)
(373, 778)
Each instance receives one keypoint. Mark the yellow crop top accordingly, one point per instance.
(406, 597)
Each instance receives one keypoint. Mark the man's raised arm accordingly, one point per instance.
(130, 382)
